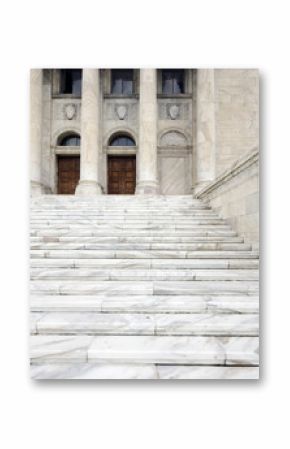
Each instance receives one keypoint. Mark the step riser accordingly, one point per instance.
(149, 254)
(136, 324)
(127, 227)
(144, 287)
(184, 350)
(133, 275)
(141, 240)
(122, 213)
(129, 223)
(136, 233)
(146, 304)
(142, 246)
(146, 263)
(133, 371)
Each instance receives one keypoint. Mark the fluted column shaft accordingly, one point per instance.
(147, 179)
(90, 134)
(36, 77)
(204, 163)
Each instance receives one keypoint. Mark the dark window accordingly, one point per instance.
(72, 140)
(173, 81)
(122, 82)
(71, 81)
(122, 140)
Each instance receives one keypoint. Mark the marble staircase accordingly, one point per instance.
(140, 287)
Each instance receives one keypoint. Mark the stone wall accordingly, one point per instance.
(235, 196)
(236, 114)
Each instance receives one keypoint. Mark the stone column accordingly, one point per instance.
(204, 157)
(90, 134)
(36, 77)
(147, 181)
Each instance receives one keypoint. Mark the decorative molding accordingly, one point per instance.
(173, 111)
(251, 158)
(66, 151)
(119, 130)
(70, 111)
(121, 111)
(62, 131)
(121, 151)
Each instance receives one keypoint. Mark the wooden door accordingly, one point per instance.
(68, 174)
(121, 175)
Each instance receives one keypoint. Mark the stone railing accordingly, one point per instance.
(235, 196)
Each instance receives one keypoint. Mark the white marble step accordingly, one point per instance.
(120, 205)
(50, 232)
(146, 263)
(205, 246)
(145, 254)
(149, 216)
(129, 222)
(146, 304)
(76, 287)
(129, 213)
(115, 198)
(134, 239)
(125, 211)
(93, 323)
(84, 274)
(225, 351)
(130, 228)
(141, 371)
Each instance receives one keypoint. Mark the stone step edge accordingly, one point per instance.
(102, 371)
(146, 304)
(241, 351)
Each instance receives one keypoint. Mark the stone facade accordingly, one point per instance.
(234, 194)
(183, 140)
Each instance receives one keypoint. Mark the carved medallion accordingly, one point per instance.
(121, 111)
(70, 111)
(173, 111)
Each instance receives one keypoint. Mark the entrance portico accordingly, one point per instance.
(183, 123)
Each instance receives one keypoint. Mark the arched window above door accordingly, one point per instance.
(122, 140)
(69, 140)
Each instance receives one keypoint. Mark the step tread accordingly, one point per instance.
(144, 324)
(139, 274)
(70, 287)
(141, 371)
(146, 263)
(226, 351)
(144, 254)
(146, 304)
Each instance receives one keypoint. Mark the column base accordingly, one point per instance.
(88, 188)
(36, 188)
(147, 188)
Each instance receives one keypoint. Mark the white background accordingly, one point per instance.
(179, 415)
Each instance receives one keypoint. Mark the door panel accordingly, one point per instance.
(68, 174)
(121, 175)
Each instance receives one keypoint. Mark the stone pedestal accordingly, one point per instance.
(204, 162)
(36, 187)
(147, 180)
(90, 134)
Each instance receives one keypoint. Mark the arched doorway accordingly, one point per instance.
(68, 165)
(121, 166)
